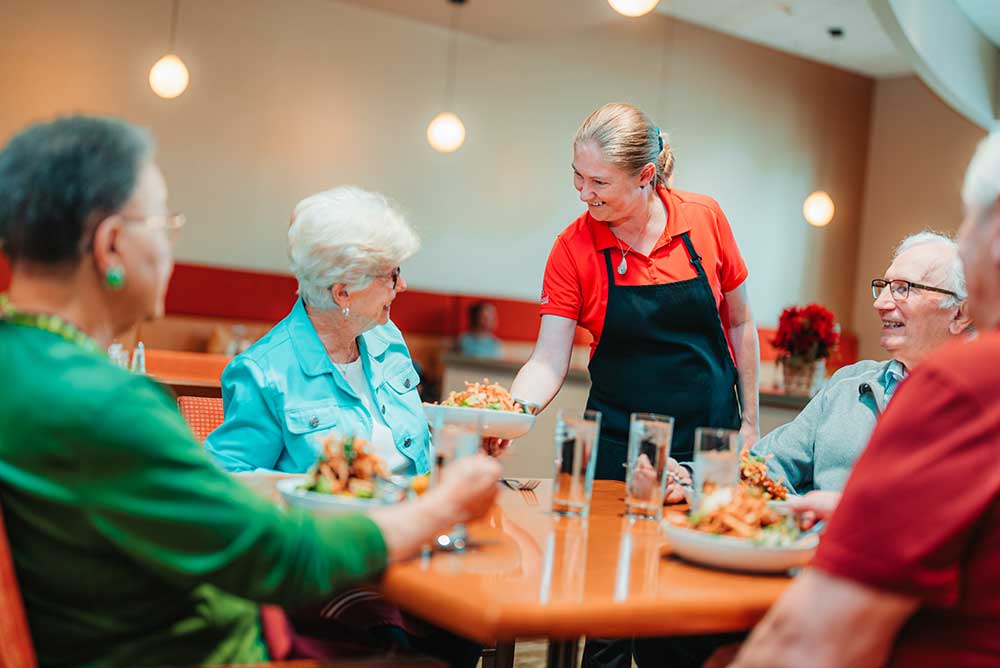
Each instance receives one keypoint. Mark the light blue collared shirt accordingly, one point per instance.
(283, 397)
(893, 375)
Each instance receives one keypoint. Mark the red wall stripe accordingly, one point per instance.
(221, 292)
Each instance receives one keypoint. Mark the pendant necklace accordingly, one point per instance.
(623, 265)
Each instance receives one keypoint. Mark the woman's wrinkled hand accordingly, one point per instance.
(469, 486)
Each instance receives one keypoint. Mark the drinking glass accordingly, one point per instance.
(575, 461)
(716, 464)
(450, 442)
(649, 437)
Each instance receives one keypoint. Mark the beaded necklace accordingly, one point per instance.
(46, 322)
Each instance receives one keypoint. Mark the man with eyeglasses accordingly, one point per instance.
(920, 303)
(908, 570)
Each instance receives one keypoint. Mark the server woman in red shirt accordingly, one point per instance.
(654, 274)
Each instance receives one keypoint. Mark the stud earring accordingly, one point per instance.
(346, 311)
(114, 277)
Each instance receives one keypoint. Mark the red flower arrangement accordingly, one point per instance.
(806, 334)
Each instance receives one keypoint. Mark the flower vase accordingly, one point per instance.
(801, 376)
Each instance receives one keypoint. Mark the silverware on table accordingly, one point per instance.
(521, 485)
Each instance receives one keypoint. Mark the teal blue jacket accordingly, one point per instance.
(284, 396)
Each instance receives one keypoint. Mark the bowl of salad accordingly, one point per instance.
(348, 477)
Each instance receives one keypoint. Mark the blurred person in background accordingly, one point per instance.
(480, 340)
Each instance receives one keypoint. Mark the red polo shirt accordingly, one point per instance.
(921, 512)
(576, 279)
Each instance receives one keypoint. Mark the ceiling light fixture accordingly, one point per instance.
(446, 132)
(818, 208)
(169, 77)
(633, 8)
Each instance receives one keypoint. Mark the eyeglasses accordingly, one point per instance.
(171, 223)
(900, 289)
(394, 275)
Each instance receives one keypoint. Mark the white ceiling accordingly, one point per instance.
(794, 26)
(985, 14)
(801, 27)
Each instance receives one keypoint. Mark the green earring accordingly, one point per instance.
(114, 277)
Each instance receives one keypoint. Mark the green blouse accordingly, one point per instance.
(131, 548)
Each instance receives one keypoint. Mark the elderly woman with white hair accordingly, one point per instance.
(336, 363)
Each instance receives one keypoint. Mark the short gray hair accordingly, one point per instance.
(345, 235)
(982, 179)
(59, 178)
(955, 271)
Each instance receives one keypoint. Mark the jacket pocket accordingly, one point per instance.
(403, 381)
(313, 417)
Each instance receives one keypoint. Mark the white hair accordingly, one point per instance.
(955, 271)
(982, 179)
(345, 235)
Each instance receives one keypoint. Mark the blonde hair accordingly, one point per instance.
(345, 235)
(628, 139)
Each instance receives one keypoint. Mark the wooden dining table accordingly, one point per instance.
(532, 574)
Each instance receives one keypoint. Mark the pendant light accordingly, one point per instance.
(169, 76)
(633, 8)
(446, 132)
(818, 208)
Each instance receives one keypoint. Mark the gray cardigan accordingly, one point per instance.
(817, 449)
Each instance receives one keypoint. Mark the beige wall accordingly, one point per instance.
(291, 97)
(918, 153)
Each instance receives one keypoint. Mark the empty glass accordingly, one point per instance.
(451, 442)
(649, 437)
(575, 461)
(716, 464)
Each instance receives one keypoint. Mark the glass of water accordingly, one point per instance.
(716, 465)
(649, 437)
(575, 461)
(451, 442)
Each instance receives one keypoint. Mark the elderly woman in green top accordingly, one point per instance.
(131, 547)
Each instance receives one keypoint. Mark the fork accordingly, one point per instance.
(521, 486)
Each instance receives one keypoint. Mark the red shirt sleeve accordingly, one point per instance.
(561, 291)
(918, 493)
(732, 269)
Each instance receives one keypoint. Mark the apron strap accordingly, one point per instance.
(695, 258)
(607, 263)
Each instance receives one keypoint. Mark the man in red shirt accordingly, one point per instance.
(908, 572)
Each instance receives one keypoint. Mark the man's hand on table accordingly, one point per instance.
(814, 506)
(677, 477)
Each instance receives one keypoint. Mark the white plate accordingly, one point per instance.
(323, 504)
(499, 424)
(737, 554)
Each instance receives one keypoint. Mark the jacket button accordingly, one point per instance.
(406, 383)
(407, 442)
(314, 422)
(383, 409)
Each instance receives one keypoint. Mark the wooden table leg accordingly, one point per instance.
(563, 653)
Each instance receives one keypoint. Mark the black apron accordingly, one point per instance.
(662, 350)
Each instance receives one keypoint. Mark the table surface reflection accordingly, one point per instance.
(532, 574)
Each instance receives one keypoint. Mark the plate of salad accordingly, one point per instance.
(486, 406)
